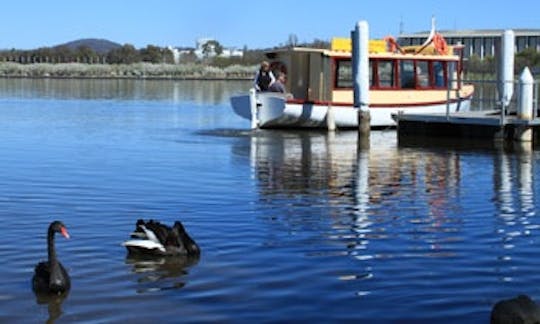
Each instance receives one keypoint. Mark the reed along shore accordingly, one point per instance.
(128, 71)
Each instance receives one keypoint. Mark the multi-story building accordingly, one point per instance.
(478, 42)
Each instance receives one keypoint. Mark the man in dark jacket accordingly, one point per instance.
(264, 77)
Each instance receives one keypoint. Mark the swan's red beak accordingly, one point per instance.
(64, 232)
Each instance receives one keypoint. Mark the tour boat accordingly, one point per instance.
(414, 79)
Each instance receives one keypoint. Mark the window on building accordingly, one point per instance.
(489, 47)
(533, 42)
(521, 42)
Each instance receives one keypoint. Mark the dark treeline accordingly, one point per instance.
(128, 54)
(125, 54)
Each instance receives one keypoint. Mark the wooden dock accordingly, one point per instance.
(474, 124)
(497, 124)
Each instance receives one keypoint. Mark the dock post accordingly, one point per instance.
(253, 106)
(525, 111)
(360, 67)
(506, 71)
(330, 121)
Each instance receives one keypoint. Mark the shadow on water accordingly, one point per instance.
(160, 273)
(54, 304)
(466, 144)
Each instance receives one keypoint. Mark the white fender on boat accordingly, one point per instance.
(253, 108)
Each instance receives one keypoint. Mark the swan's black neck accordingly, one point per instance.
(50, 246)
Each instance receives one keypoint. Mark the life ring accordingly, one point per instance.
(391, 44)
(440, 44)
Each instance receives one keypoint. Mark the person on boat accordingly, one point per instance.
(279, 85)
(264, 77)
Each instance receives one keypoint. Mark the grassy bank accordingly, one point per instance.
(138, 70)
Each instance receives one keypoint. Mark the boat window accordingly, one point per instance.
(440, 74)
(407, 74)
(385, 73)
(371, 83)
(422, 73)
(344, 74)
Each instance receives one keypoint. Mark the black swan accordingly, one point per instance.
(154, 238)
(520, 309)
(50, 276)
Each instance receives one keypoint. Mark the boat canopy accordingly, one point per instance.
(323, 74)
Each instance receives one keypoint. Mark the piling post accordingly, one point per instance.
(525, 110)
(330, 121)
(506, 71)
(360, 61)
(253, 107)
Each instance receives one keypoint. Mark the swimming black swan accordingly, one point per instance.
(154, 238)
(520, 309)
(50, 276)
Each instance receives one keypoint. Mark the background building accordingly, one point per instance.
(478, 42)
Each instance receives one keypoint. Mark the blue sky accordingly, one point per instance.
(256, 24)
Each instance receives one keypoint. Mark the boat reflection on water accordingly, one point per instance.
(160, 273)
(406, 191)
(303, 162)
(352, 201)
(336, 167)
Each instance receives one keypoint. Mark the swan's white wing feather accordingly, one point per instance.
(138, 234)
(150, 235)
(144, 244)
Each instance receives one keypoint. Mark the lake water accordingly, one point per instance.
(293, 226)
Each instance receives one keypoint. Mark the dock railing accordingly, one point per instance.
(486, 97)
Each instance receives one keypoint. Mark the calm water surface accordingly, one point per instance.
(293, 226)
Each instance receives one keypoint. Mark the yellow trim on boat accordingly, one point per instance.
(342, 44)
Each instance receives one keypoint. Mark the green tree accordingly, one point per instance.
(528, 57)
(168, 56)
(212, 48)
(152, 54)
(85, 54)
(62, 53)
(155, 54)
(127, 54)
(188, 57)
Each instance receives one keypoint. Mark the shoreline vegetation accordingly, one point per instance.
(141, 70)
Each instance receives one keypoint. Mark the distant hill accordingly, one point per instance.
(101, 46)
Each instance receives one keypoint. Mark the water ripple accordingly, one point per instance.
(300, 226)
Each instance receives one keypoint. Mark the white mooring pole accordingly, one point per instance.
(360, 61)
(506, 70)
(525, 110)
